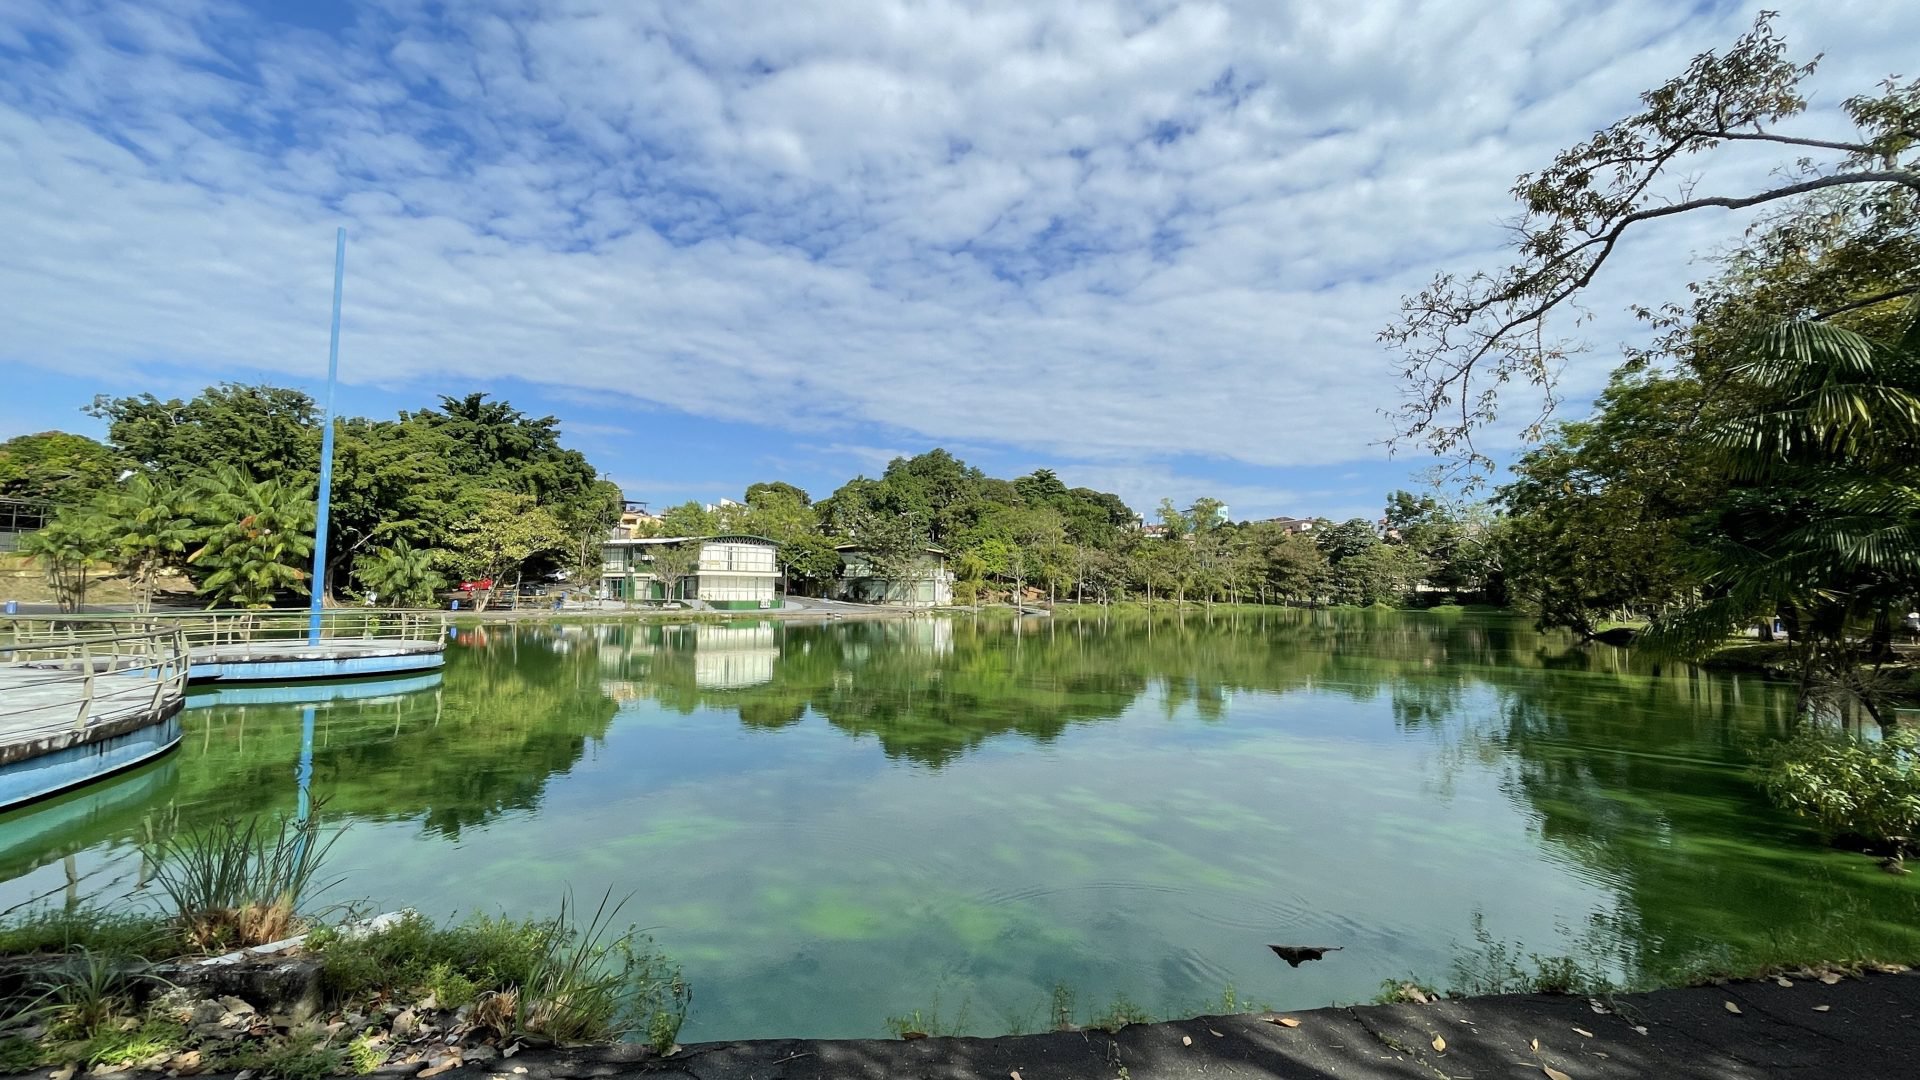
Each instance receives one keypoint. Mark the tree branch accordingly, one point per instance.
(1790, 140)
(1855, 305)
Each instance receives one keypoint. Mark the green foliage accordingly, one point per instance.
(18, 1055)
(149, 526)
(56, 467)
(66, 551)
(60, 930)
(262, 432)
(400, 575)
(237, 883)
(499, 536)
(132, 1040)
(929, 1022)
(552, 977)
(1118, 1014)
(258, 542)
(365, 1054)
(301, 1054)
(1850, 787)
(1405, 992)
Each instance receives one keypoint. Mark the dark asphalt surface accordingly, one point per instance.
(1868, 1030)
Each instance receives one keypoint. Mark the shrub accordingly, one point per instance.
(237, 884)
(1851, 787)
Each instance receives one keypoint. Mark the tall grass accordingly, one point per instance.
(237, 883)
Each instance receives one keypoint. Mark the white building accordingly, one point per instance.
(733, 572)
(860, 582)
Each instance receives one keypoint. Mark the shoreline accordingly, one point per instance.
(1858, 1025)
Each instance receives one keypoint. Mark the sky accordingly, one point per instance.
(1148, 245)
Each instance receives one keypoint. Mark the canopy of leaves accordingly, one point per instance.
(56, 467)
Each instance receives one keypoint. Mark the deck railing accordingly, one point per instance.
(208, 630)
(67, 680)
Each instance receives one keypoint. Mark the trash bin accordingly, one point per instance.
(13, 607)
(456, 605)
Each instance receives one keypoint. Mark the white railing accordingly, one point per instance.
(67, 680)
(207, 630)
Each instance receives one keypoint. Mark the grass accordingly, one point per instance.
(557, 978)
(237, 884)
(61, 930)
(299, 1055)
(928, 1022)
(18, 1055)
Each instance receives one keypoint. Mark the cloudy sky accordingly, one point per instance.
(1147, 244)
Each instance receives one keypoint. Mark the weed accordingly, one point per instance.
(449, 987)
(1060, 1010)
(300, 1055)
(132, 1041)
(1121, 1012)
(1405, 992)
(918, 1023)
(18, 1055)
(82, 994)
(366, 1053)
(238, 884)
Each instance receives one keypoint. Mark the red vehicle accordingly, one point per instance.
(484, 584)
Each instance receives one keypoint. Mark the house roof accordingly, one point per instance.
(731, 538)
(929, 549)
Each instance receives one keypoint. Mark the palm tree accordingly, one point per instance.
(148, 527)
(1821, 522)
(260, 537)
(404, 576)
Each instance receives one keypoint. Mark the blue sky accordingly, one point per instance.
(1145, 244)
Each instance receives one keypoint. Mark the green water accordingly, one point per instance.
(828, 825)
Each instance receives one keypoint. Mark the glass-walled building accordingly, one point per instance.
(731, 573)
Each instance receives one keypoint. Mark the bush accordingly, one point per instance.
(237, 884)
(1852, 788)
(547, 977)
(60, 930)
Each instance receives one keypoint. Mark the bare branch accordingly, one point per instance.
(1789, 140)
(1911, 290)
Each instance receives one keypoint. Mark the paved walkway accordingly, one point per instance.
(1866, 1030)
(37, 701)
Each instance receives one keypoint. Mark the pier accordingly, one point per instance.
(273, 646)
(86, 703)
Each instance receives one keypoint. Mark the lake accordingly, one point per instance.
(831, 824)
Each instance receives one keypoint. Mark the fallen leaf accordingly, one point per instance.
(1015, 1074)
(1830, 978)
(1554, 1074)
(1186, 1040)
(1295, 955)
(1782, 980)
(1821, 1008)
(1585, 1032)
(1439, 1045)
(1640, 1029)
(1536, 1045)
(1215, 1034)
(1283, 1021)
(912, 1035)
(1732, 1008)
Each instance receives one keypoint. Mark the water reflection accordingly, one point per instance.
(984, 808)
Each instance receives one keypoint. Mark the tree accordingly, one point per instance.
(1599, 516)
(259, 538)
(267, 432)
(810, 559)
(778, 489)
(66, 550)
(1382, 574)
(56, 467)
(497, 539)
(1821, 516)
(670, 564)
(895, 549)
(688, 519)
(1463, 337)
(399, 575)
(1352, 537)
(149, 527)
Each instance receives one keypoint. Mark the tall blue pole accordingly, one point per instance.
(318, 586)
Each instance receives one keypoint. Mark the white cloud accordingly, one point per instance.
(1107, 231)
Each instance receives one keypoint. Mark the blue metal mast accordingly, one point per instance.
(317, 587)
